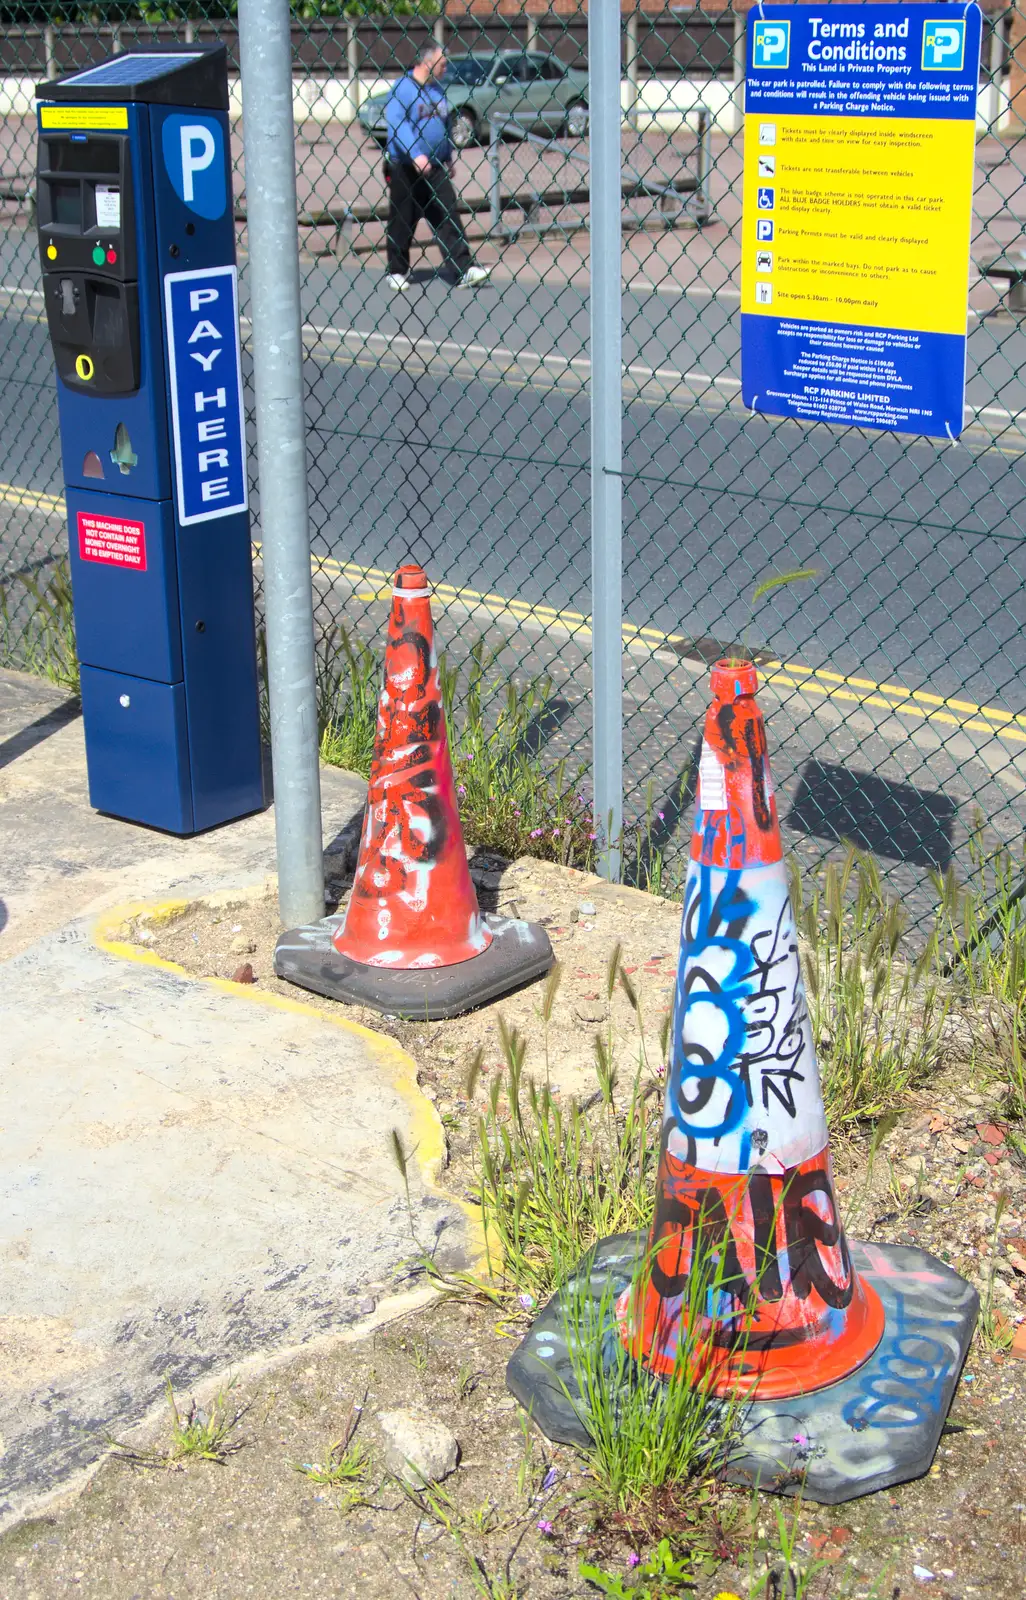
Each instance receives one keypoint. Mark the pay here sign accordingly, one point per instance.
(860, 130)
(202, 317)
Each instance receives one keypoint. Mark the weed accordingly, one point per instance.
(348, 676)
(742, 657)
(670, 1573)
(508, 800)
(554, 1178)
(877, 1019)
(437, 1505)
(196, 1435)
(985, 923)
(651, 1435)
(786, 1575)
(344, 1467)
(37, 625)
(993, 1329)
(467, 1380)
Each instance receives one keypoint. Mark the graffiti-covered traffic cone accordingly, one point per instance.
(745, 1164)
(844, 1357)
(412, 940)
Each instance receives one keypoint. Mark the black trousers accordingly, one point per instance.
(413, 195)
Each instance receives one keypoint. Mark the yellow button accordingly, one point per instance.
(51, 251)
(84, 367)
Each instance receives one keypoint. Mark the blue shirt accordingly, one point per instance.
(417, 117)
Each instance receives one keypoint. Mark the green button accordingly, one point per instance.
(99, 255)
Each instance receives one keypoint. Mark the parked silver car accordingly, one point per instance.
(534, 89)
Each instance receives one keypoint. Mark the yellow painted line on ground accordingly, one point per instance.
(111, 933)
(12, 494)
(852, 690)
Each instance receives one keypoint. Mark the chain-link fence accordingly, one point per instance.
(451, 426)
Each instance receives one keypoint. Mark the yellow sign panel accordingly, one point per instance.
(115, 117)
(870, 220)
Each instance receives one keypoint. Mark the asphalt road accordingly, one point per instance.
(454, 429)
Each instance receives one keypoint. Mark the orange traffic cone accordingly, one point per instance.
(413, 904)
(412, 940)
(745, 1165)
(846, 1357)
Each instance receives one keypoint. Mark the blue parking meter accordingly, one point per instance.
(137, 246)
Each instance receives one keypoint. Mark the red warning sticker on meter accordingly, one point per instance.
(112, 540)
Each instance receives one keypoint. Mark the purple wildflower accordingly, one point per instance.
(661, 815)
(633, 1560)
(536, 833)
(550, 1478)
(555, 833)
(544, 1526)
(593, 836)
(526, 1300)
(461, 789)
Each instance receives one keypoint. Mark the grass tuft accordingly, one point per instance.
(195, 1435)
(877, 1018)
(37, 625)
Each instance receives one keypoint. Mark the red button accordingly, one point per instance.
(112, 256)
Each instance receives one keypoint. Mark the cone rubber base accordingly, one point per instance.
(878, 1426)
(519, 953)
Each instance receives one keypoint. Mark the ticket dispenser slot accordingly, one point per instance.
(137, 248)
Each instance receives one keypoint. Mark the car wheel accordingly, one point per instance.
(577, 120)
(462, 128)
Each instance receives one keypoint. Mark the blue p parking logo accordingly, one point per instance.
(194, 159)
(944, 45)
(771, 44)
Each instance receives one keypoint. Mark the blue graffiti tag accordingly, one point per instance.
(711, 924)
(903, 1385)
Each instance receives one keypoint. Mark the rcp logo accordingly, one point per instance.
(771, 44)
(194, 158)
(944, 46)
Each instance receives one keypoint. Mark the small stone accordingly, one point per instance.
(420, 1448)
(586, 908)
(244, 974)
(590, 1010)
(922, 1574)
(1018, 1344)
(367, 1305)
(989, 1133)
(429, 1091)
(241, 946)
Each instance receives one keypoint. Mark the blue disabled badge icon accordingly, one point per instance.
(766, 199)
(944, 45)
(771, 44)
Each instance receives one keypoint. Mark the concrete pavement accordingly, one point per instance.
(191, 1173)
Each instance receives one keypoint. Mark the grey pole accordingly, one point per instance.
(269, 141)
(606, 429)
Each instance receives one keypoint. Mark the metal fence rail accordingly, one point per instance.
(453, 429)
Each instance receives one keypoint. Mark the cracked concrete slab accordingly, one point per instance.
(190, 1172)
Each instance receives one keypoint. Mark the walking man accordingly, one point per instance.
(419, 157)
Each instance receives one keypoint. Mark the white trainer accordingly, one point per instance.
(397, 281)
(473, 276)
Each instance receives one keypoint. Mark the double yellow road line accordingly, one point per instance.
(820, 683)
(814, 681)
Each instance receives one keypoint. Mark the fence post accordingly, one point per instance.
(265, 54)
(353, 66)
(495, 175)
(737, 59)
(605, 313)
(703, 164)
(633, 86)
(50, 49)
